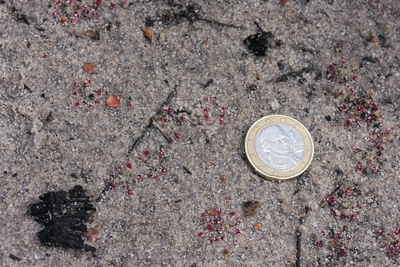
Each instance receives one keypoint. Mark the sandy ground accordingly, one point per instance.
(57, 131)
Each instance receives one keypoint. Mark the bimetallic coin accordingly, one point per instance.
(279, 147)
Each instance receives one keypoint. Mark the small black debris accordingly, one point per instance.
(302, 81)
(26, 87)
(382, 40)
(328, 117)
(208, 83)
(252, 88)
(284, 78)
(250, 207)
(338, 172)
(281, 66)
(96, 35)
(190, 12)
(22, 18)
(13, 257)
(63, 216)
(186, 170)
(149, 22)
(49, 117)
(41, 29)
(370, 59)
(259, 43)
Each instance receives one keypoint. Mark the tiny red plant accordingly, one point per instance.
(359, 110)
(390, 241)
(131, 174)
(344, 209)
(217, 226)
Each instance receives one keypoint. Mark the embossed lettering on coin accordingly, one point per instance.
(279, 146)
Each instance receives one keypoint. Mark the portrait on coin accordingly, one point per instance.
(279, 146)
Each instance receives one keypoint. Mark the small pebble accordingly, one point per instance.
(89, 68)
(250, 207)
(113, 101)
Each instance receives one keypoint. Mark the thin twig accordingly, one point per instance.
(258, 26)
(298, 248)
(187, 170)
(212, 21)
(325, 201)
(169, 139)
(150, 124)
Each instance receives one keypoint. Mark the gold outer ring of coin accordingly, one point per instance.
(272, 173)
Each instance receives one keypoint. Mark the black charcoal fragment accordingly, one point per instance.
(63, 216)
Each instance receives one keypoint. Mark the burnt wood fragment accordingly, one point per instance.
(63, 216)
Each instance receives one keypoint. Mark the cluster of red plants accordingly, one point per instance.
(337, 242)
(212, 111)
(341, 206)
(218, 227)
(359, 110)
(344, 210)
(71, 11)
(206, 110)
(169, 120)
(390, 241)
(85, 95)
(147, 166)
(369, 159)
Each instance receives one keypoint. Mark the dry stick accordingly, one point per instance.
(212, 21)
(325, 201)
(258, 26)
(187, 170)
(150, 124)
(298, 248)
(169, 139)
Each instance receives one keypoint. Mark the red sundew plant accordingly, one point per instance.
(341, 204)
(147, 166)
(344, 210)
(170, 121)
(84, 95)
(336, 243)
(71, 11)
(369, 159)
(360, 110)
(390, 241)
(210, 111)
(217, 226)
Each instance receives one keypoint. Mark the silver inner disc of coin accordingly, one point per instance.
(279, 146)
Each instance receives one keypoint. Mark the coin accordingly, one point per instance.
(279, 147)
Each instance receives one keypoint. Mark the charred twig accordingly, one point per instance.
(169, 139)
(169, 98)
(106, 188)
(137, 141)
(13, 257)
(325, 201)
(186, 170)
(213, 21)
(63, 216)
(258, 26)
(298, 248)
(150, 124)
(294, 74)
(208, 83)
